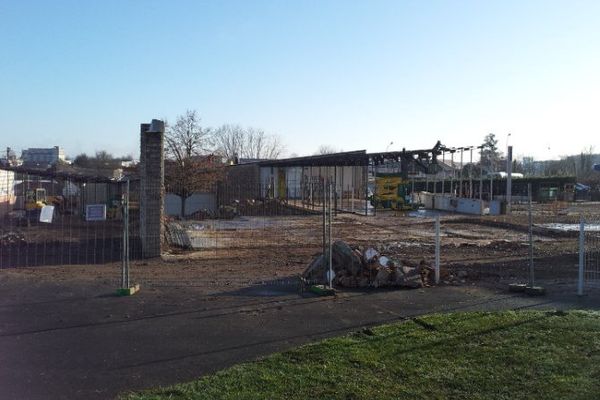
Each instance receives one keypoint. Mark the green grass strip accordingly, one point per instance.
(505, 355)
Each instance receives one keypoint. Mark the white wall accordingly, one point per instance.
(7, 191)
(194, 203)
(447, 203)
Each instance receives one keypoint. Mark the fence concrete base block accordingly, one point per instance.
(130, 291)
(322, 290)
(517, 287)
(535, 291)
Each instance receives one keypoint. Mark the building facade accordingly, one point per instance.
(41, 156)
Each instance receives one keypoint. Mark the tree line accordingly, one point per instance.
(579, 165)
(101, 160)
(188, 137)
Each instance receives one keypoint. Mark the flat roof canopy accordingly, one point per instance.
(75, 175)
(349, 158)
(354, 158)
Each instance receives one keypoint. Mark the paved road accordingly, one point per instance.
(58, 342)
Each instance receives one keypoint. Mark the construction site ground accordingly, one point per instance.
(65, 334)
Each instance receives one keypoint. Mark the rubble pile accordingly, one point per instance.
(175, 235)
(11, 238)
(356, 268)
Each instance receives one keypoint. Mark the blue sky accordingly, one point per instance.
(350, 74)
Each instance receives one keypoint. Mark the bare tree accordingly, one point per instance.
(229, 141)
(187, 138)
(234, 141)
(189, 166)
(586, 162)
(261, 145)
(326, 149)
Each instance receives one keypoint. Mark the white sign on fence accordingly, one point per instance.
(95, 212)
(46, 214)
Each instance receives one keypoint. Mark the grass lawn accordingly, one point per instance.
(506, 355)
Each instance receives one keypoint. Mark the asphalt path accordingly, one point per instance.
(82, 342)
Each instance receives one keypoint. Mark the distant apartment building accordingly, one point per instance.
(40, 156)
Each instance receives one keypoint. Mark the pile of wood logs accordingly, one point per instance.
(359, 268)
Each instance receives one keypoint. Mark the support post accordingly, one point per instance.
(330, 261)
(366, 182)
(324, 223)
(375, 190)
(352, 196)
(124, 258)
(460, 185)
(453, 174)
(471, 173)
(126, 288)
(443, 174)
(509, 180)
(126, 249)
(437, 249)
(531, 270)
(335, 202)
(481, 176)
(581, 256)
(310, 187)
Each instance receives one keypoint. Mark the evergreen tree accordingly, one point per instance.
(489, 153)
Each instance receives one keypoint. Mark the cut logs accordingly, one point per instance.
(359, 268)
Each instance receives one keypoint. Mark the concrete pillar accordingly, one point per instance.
(152, 183)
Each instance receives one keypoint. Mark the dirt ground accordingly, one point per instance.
(63, 333)
(252, 250)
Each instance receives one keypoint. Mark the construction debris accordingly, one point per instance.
(175, 235)
(359, 268)
(12, 238)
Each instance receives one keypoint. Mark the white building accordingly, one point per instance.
(7, 191)
(40, 156)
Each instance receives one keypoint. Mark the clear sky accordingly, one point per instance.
(350, 74)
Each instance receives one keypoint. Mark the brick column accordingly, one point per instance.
(152, 182)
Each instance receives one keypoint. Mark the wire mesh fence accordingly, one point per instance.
(501, 250)
(590, 235)
(55, 220)
(261, 233)
(248, 234)
(254, 236)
